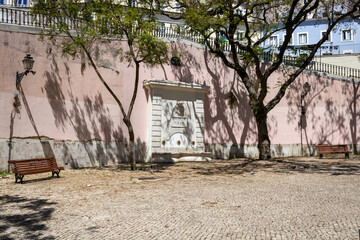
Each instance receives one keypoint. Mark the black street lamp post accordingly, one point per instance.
(28, 63)
(306, 90)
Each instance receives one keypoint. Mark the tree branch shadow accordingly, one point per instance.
(24, 218)
(333, 166)
(331, 125)
(220, 111)
(354, 96)
(89, 117)
(47, 149)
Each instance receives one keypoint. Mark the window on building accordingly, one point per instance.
(346, 35)
(23, 3)
(238, 11)
(323, 33)
(240, 36)
(303, 38)
(2, 2)
(274, 40)
(134, 3)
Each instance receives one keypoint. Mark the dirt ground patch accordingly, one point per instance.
(287, 198)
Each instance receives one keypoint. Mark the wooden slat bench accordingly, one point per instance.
(33, 166)
(333, 149)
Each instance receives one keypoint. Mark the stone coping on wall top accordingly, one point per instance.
(158, 83)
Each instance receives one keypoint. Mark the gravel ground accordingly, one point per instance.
(288, 198)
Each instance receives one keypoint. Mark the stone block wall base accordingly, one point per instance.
(230, 151)
(70, 154)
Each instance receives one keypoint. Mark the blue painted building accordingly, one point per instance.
(344, 39)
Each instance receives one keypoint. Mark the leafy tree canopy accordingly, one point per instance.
(86, 23)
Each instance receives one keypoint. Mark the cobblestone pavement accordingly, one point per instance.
(283, 199)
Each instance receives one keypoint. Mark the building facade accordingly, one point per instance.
(344, 39)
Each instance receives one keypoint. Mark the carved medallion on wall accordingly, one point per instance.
(179, 110)
(180, 125)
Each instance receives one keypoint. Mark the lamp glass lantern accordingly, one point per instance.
(306, 87)
(28, 62)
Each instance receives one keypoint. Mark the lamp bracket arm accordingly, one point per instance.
(303, 95)
(19, 76)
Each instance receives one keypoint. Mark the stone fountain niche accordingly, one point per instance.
(176, 121)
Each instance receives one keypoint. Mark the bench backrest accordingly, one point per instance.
(33, 165)
(332, 148)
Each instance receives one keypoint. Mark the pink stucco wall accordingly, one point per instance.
(68, 102)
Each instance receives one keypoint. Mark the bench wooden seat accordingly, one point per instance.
(333, 149)
(34, 166)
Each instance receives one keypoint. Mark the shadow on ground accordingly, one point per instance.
(156, 167)
(24, 218)
(334, 166)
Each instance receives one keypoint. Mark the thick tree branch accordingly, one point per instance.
(272, 103)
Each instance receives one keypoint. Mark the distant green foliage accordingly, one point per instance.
(301, 59)
(85, 23)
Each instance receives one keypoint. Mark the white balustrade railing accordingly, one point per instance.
(23, 17)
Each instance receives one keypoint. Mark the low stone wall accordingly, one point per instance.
(229, 151)
(70, 154)
(79, 154)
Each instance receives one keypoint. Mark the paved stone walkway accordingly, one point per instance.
(285, 199)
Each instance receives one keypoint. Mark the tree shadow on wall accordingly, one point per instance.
(189, 64)
(224, 113)
(333, 122)
(312, 99)
(24, 218)
(353, 95)
(47, 149)
(225, 122)
(88, 117)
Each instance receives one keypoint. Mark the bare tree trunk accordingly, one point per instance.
(127, 117)
(132, 160)
(263, 135)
